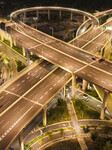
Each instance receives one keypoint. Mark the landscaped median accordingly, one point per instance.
(83, 111)
(49, 135)
(59, 113)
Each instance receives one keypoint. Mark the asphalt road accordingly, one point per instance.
(90, 34)
(12, 53)
(68, 62)
(29, 106)
(23, 84)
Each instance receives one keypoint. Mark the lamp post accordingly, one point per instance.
(52, 30)
(41, 132)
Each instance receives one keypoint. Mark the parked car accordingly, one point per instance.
(99, 106)
(85, 97)
(101, 60)
(93, 58)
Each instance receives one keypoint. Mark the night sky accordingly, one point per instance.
(87, 5)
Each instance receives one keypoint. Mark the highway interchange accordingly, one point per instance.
(70, 58)
(75, 60)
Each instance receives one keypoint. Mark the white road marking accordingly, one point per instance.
(46, 93)
(59, 80)
(13, 88)
(89, 75)
(71, 66)
(5, 124)
(23, 81)
(50, 89)
(103, 81)
(1, 138)
(54, 85)
(1, 97)
(105, 63)
(83, 72)
(96, 78)
(41, 97)
(18, 84)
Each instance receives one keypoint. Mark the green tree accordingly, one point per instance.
(108, 146)
(62, 132)
(94, 136)
(106, 129)
(50, 135)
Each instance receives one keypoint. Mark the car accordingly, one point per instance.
(99, 106)
(1, 106)
(85, 97)
(93, 58)
(101, 60)
(99, 51)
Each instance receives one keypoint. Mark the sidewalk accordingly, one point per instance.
(76, 125)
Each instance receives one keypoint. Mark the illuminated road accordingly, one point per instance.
(39, 88)
(31, 104)
(71, 58)
(23, 84)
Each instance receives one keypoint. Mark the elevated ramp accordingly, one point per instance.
(100, 93)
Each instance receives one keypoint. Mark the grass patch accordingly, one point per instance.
(33, 58)
(19, 65)
(83, 111)
(18, 50)
(93, 94)
(6, 42)
(59, 113)
(49, 134)
(110, 57)
(99, 143)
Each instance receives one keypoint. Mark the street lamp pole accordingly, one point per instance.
(52, 30)
(41, 132)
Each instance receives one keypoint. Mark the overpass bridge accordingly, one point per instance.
(72, 60)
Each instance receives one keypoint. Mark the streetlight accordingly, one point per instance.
(41, 132)
(52, 30)
(35, 20)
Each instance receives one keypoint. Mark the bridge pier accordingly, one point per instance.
(64, 92)
(71, 16)
(2, 34)
(84, 18)
(24, 17)
(48, 14)
(24, 51)
(37, 13)
(45, 115)
(21, 141)
(14, 42)
(103, 104)
(60, 14)
(84, 85)
(11, 41)
(28, 57)
(73, 85)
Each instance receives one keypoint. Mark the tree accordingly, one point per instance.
(61, 132)
(108, 146)
(50, 135)
(94, 136)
